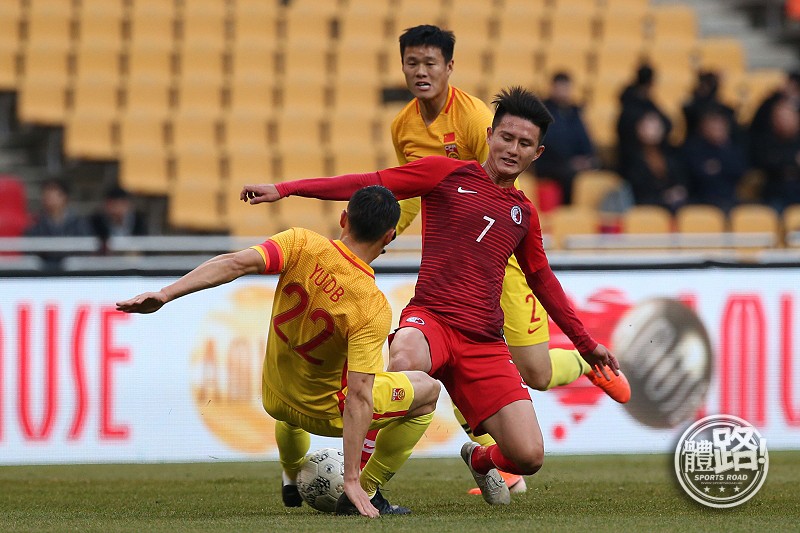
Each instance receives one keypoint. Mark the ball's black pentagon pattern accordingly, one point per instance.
(321, 479)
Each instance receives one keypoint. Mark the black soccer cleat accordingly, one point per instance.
(291, 497)
(345, 507)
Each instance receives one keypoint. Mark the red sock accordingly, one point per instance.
(484, 458)
(369, 447)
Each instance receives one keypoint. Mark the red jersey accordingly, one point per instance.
(470, 228)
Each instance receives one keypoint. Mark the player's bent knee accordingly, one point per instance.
(409, 351)
(531, 460)
(426, 392)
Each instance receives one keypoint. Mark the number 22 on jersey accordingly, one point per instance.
(316, 315)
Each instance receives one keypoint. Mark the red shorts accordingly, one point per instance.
(480, 376)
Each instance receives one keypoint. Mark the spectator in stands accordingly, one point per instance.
(714, 162)
(704, 96)
(117, 217)
(761, 124)
(569, 149)
(637, 101)
(56, 218)
(654, 172)
(779, 156)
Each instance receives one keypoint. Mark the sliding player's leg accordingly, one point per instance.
(528, 334)
(403, 405)
(293, 444)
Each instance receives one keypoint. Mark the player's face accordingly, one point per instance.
(426, 71)
(513, 146)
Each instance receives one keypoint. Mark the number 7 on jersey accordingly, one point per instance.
(490, 221)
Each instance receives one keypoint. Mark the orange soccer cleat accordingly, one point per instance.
(514, 482)
(617, 386)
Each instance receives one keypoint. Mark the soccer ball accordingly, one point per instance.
(321, 479)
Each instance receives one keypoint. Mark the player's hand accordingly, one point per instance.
(601, 358)
(257, 194)
(148, 302)
(360, 499)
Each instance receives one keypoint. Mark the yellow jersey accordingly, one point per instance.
(328, 317)
(459, 132)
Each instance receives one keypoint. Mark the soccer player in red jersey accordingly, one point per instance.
(473, 220)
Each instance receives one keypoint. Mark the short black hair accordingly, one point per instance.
(55, 183)
(372, 211)
(645, 75)
(561, 76)
(429, 35)
(520, 102)
(117, 193)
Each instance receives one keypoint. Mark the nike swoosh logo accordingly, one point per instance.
(465, 191)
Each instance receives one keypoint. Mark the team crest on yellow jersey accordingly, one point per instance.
(450, 147)
(398, 395)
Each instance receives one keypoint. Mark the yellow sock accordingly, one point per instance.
(293, 444)
(483, 440)
(567, 365)
(392, 448)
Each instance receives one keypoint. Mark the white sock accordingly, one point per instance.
(287, 480)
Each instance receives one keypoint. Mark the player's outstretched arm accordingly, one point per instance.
(257, 194)
(214, 272)
(356, 419)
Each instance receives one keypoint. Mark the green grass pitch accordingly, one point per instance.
(617, 493)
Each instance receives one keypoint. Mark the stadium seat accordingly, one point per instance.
(99, 94)
(51, 26)
(305, 60)
(364, 21)
(700, 219)
(100, 27)
(247, 164)
(571, 220)
(205, 28)
(722, 55)
(308, 213)
(199, 94)
(591, 187)
(195, 206)
(350, 127)
(509, 65)
(575, 25)
(245, 130)
(201, 60)
(107, 7)
(244, 220)
(670, 56)
(142, 131)
(674, 22)
(354, 92)
(295, 128)
(473, 22)
(48, 60)
(647, 219)
(144, 170)
(521, 25)
(253, 59)
(256, 22)
(42, 100)
(299, 161)
(150, 59)
(601, 119)
(347, 159)
(300, 25)
(564, 55)
(152, 22)
(194, 164)
(251, 95)
(98, 60)
(89, 134)
(194, 131)
(791, 223)
(147, 95)
(752, 218)
(10, 43)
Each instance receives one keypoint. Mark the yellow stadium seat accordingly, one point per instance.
(98, 60)
(10, 42)
(622, 25)
(47, 60)
(670, 56)
(252, 95)
(97, 94)
(310, 93)
(722, 55)
(253, 59)
(298, 27)
(350, 127)
(147, 95)
(52, 27)
(572, 220)
(361, 91)
(601, 119)
(194, 164)
(248, 164)
(647, 219)
(513, 66)
(149, 59)
(195, 206)
(791, 223)
(563, 55)
(193, 131)
(577, 25)
(360, 58)
(109, 7)
(591, 187)
(674, 22)
(153, 22)
(202, 27)
(304, 60)
(255, 23)
(347, 159)
(201, 60)
(141, 132)
(199, 94)
(144, 170)
(471, 21)
(408, 18)
(297, 128)
(42, 100)
(300, 161)
(89, 134)
(310, 214)
(245, 220)
(524, 27)
(700, 219)
(245, 130)
(100, 27)
(363, 22)
(752, 218)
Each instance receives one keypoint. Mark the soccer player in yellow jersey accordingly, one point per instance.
(323, 370)
(443, 120)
